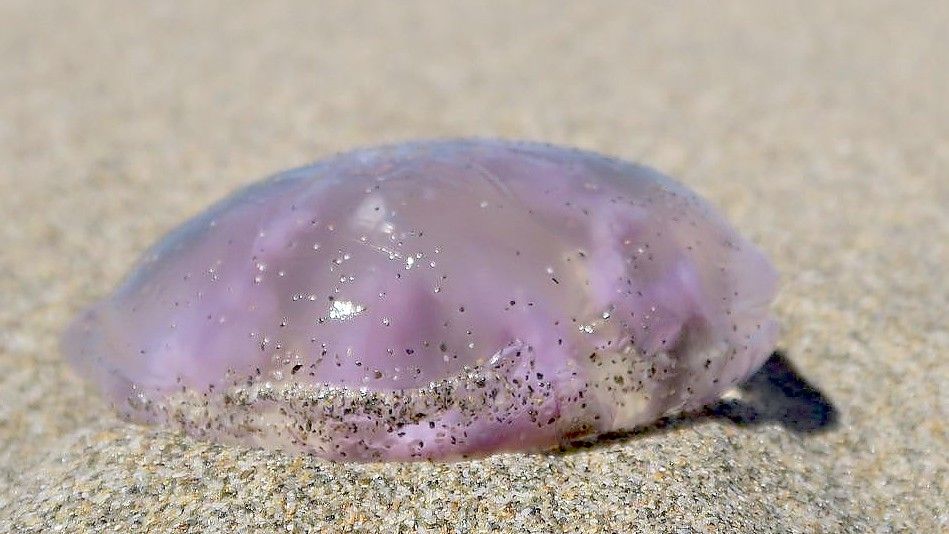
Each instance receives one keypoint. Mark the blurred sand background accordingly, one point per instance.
(820, 128)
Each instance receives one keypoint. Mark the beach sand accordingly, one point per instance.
(821, 130)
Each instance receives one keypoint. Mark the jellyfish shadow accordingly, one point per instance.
(775, 394)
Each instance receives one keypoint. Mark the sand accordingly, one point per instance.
(821, 129)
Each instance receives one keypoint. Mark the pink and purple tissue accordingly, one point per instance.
(434, 300)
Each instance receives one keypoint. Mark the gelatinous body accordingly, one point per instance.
(434, 300)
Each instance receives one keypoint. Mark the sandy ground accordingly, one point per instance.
(820, 128)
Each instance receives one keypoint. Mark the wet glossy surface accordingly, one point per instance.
(434, 300)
